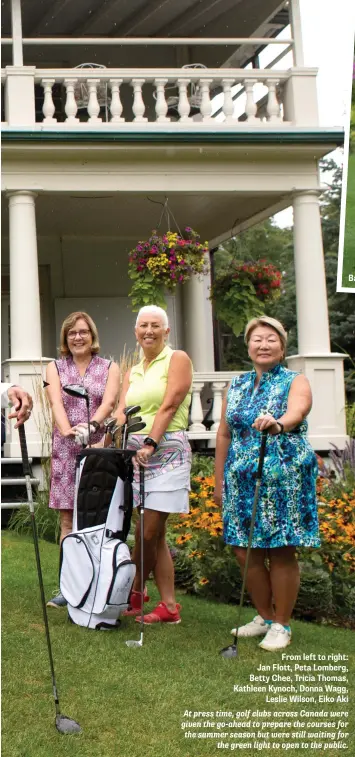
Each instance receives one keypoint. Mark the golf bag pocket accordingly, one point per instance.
(116, 577)
(78, 565)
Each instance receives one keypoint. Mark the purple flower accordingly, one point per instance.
(188, 228)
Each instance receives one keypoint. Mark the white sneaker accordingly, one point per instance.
(276, 638)
(256, 627)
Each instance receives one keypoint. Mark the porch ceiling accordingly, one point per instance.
(133, 216)
(146, 18)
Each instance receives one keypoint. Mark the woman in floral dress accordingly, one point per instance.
(79, 364)
(274, 398)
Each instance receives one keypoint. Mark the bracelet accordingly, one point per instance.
(95, 424)
(281, 427)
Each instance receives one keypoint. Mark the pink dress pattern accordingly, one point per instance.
(65, 449)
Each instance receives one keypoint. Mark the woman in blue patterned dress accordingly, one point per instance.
(274, 398)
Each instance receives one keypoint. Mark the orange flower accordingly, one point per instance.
(203, 581)
(183, 538)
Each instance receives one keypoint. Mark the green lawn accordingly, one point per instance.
(130, 702)
(349, 240)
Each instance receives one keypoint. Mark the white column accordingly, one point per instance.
(24, 284)
(296, 30)
(198, 323)
(312, 306)
(16, 30)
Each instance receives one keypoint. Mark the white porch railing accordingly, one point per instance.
(206, 403)
(165, 99)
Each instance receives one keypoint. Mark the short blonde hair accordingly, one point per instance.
(265, 320)
(68, 324)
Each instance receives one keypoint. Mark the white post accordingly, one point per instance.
(16, 30)
(196, 408)
(206, 105)
(48, 104)
(184, 103)
(312, 306)
(71, 107)
(217, 388)
(296, 30)
(116, 105)
(198, 323)
(250, 105)
(273, 106)
(228, 103)
(138, 106)
(24, 284)
(93, 104)
(161, 106)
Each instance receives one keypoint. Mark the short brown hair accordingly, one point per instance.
(264, 320)
(68, 324)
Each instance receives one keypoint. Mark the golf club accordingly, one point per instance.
(133, 642)
(129, 412)
(63, 724)
(79, 392)
(232, 649)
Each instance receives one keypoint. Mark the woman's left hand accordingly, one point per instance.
(266, 422)
(142, 456)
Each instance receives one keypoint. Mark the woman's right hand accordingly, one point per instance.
(69, 432)
(217, 496)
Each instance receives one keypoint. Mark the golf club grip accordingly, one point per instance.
(262, 453)
(141, 486)
(24, 453)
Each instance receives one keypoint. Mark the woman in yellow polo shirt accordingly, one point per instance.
(161, 385)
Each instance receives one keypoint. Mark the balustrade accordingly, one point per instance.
(183, 99)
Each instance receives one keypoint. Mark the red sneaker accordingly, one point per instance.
(161, 614)
(135, 603)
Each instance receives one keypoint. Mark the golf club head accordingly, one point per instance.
(134, 643)
(136, 419)
(131, 410)
(135, 427)
(64, 724)
(109, 423)
(231, 651)
(76, 390)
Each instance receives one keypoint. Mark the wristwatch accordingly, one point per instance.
(281, 427)
(95, 424)
(149, 442)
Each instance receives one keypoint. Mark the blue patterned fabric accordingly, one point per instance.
(287, 508)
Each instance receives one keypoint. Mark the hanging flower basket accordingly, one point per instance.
(241, 294)
(162, 262)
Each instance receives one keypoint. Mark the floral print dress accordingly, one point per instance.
(287, 507)
(65, 449)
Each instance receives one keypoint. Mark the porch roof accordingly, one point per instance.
(147, 18)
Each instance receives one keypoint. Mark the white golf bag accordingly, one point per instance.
(96, 570)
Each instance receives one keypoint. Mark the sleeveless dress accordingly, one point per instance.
(287, 507)
(65, 449)
(167, 477)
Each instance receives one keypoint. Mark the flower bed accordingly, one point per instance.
(205, 565)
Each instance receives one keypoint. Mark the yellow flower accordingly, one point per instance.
(183, 538)
(203, 581)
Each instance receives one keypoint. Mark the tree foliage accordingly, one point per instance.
(266, 240)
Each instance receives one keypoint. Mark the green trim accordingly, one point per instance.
(257, 136)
